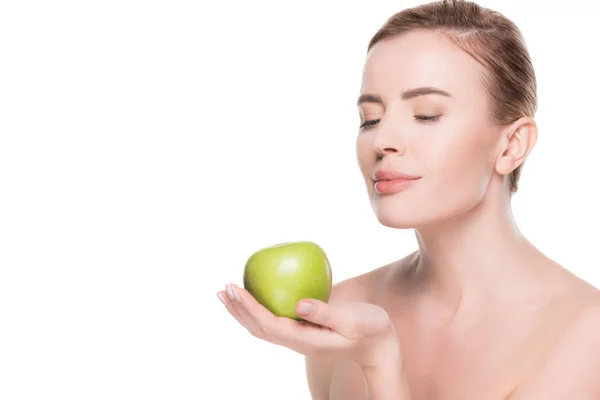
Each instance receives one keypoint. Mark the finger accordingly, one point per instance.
(265, 319)
(301, 337)
(222, 295)
(321, 313)
(339, 319)
(283, 331)
(231, 300)
(247, 320)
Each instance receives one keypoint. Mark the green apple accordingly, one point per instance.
(281, 275)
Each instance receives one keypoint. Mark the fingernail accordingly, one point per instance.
(220, 296)
(304, 308)
(229, 292)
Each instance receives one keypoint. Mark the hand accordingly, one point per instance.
(361, 332)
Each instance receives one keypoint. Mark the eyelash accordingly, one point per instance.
(423, 118)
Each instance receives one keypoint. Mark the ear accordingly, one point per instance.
(516, 143)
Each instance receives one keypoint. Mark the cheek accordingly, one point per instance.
(466, 154)
(364, 155)
(460, 167)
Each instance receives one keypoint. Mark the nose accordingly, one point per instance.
(388, 140)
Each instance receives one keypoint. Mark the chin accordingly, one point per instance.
(425, 214)
(399, 221)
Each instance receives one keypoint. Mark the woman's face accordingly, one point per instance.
(446, 140)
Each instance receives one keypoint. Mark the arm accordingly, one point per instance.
(382, 382)
(335, 379)
(318, 376)
(386, 379)
(387, 383)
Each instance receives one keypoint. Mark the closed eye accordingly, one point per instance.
(423, 118)
(370, 123)
(427, 118)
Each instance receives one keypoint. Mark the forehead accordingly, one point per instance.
(422, 59)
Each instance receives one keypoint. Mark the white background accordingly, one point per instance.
(148, 148)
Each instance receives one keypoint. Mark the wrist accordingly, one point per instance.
(387, 380)
(383, 352)
(384, 372)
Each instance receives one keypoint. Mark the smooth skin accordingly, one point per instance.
(477, 312)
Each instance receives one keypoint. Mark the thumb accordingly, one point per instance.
(320, 313)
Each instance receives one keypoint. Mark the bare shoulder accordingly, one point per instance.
(356, 288)
(570, 368)
(365, 286)
(583, 332)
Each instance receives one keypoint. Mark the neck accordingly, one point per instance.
(476, 258)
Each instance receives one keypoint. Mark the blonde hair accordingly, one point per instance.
(491, 39)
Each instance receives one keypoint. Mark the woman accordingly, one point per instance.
(446, 105)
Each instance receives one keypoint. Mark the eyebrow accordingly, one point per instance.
(409, 94)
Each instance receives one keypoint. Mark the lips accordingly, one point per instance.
(392, 181)
(391, 175)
